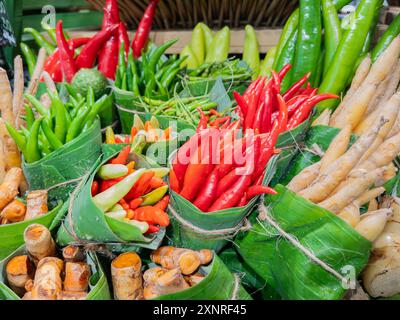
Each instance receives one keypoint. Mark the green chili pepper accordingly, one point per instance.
(154, 196)
(121, 70)
(348, 52)
(308, 46)
(29, 116)
(18, 138)
(251, 52)
(90, 99)
(151, 67)
(167, 80)
(198, 44)
(71, 90)
(219, 48)
(267, 63)
(61, 128)
(112, 171)
(135, 85)
(332, 31)
(51, 137)
(30, 57)
(40, 40)
(50, 31)
(107, 199)
(40, 108)
(208, 36)
(77, 123)
(32, 145)
(150, 86)
(287, 57)
(130, 69)
(387, 38)
(94, 110)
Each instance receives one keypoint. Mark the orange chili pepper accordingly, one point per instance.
(156, 182)
(95, 188)
(173, 181)
(152, 215)
(131, 167)
(134, 132)
(130, 214)
(124, 204)
(135, 203)
(167, 133)
(140, 186)
(163, 203)
(148, 126)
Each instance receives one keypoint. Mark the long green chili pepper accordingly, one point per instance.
(130, 69)
(287, 57)
(166, 82)
(76, 124)
(158, 53)
(308, 46)
(332, 31)
(30, 57)
(94, 110)
(71, 90)
(60, 129)
(32, 145)
(29, 116)
(121, 71)
(40, 40)
(150, 86)
(90, 99)
(387, 38)
(50, 31)
(348, 52)
(51, 137)
(18, 138)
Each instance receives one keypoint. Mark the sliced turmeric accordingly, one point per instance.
(76, 276)
(9, 187)
(73, 253)
(36, 204)
(14, 211)
(47, 283)
(39, 242)
(19, 271)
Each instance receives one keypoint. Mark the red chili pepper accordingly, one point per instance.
(215, 112)
(227, 181)
(252, 102)
(68, 65)
(283, 113)
(231, 197)
(118, 140)
(140, 186)
(124, 204)
(122, 157)
(266, 121)
(95, 188)
(152, 229)
(257, 190)
(226, 124)
(156, 183)
(106, 184)
(123, 37)
(203, 120)
(294, 103)
(267, 149)
(243, 201)
(87, 57)
(163, 203)
(284, 71)
(241, 103)
(144, 28)
(294, 89)
(207, 193)
(262, 106)
(218, 121)
(173, 182)
(276, 82)
(111, 14)
(304, 111)
(135, 203)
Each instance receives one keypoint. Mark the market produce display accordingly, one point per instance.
(203, 175)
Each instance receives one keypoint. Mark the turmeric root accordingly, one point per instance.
(194, 279)
(188, 261)
(47, 283)
(77, 276)
(9, 187)
(71, 295)
(39, 242)
(14, 211)
(73, 253)
(169, 282)
(19, 270)
(36, 204)
(127, 277)
(305, 177)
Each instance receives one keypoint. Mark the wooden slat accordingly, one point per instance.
(39, 4)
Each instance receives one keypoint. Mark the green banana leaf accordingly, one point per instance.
(98, 285)
(219, 284)
(320, 136)
(12, 235)
(286, 268)
(180, 235)
(289, 143)
(72, 161)
(90, 224)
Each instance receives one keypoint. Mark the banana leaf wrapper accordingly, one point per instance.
(88, 224)
(71, 161)
(216, 228)
(98, 285)
(219, 284)
(288, 269)
(12, 235)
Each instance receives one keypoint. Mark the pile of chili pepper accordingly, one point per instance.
(218, 169)
(154, 76)
(48, 129)
(138, 197)
(262, 102)
(64, 60)
(142, 134)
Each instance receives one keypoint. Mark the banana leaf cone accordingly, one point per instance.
(318, 138)
(218, 284)
(86, 223)
(72, 161)
(12, 235)
(192, 228)
(320, 259)
(289, 143)
(98, 285)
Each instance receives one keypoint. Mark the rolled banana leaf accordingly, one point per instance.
(12, 235)
(87, 223)
(285, 267)
(318, 137)
(71, 161)
(219, 284)
(98, 286)
(192, 228)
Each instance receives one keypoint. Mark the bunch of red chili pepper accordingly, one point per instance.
(218, 169)
(103, 47)
(262, 102)
(138, 197)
